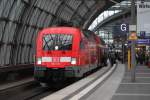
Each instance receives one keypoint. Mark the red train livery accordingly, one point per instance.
(64, 52)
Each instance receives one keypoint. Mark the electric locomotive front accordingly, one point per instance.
(57, 53)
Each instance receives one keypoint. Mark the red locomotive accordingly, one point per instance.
(64, 52)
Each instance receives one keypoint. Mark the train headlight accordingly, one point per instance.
(73, 61)
(39, 60)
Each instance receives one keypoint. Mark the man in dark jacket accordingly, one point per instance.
(112, 58)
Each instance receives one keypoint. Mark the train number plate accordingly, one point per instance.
(56, 59)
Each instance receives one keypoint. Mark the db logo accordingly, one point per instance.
(55, 59)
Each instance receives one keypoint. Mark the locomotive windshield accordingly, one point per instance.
(57, 42)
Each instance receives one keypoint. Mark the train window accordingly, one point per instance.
(57, 42)
(81, 44)
(86, 34)
(89, 35)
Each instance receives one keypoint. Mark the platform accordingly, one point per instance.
(140, 90)
(119, 86)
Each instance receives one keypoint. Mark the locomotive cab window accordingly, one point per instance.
(57, 42)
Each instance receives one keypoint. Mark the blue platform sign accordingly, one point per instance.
(142, 41)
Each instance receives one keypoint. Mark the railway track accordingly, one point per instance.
(25, 89)
(32, 90)
(11, 91)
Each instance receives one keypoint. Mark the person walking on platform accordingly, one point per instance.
(143, 58)
(146, 58)
(112, 58)
(137, 58)
(104, 59)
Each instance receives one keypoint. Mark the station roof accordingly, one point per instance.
(21, 20)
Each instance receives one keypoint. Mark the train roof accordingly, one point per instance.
(89, 33)
(59, 28)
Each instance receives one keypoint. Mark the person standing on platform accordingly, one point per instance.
(112, 58)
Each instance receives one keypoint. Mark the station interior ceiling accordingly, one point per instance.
(20, 21)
